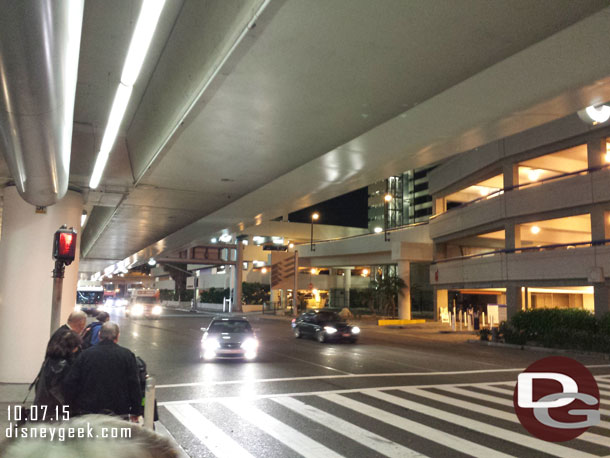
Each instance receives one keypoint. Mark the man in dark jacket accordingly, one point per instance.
(104, 378)
(77, 321)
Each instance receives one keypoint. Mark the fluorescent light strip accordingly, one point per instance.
(112, 128)
(140, 42)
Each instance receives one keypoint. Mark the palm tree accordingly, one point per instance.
(388, 289)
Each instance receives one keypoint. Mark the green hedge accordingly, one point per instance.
(559, 328)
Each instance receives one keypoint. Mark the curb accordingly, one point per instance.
(544, 349)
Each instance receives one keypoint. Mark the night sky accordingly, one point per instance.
(347, 210)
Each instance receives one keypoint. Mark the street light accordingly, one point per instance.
(314, 217)
(386, 203)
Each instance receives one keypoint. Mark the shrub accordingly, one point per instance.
(541, 322)
(604, 324)
(560, 328)
(484, 334)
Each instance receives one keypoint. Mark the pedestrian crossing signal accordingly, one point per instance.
(64, 245)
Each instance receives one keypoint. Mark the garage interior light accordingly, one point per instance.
(140, 42)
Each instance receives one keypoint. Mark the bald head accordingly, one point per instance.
(77, 321)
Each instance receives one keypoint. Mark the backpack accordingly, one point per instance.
(141, 373)
(91, 336)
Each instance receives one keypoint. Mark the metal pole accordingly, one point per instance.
(312, 247)
(296, 284)
(149, 403)
(58, 279)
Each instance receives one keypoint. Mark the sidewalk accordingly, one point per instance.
(431, 330)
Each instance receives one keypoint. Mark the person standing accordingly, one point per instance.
(77, 321)
(91, 334)
(58, 359)
(104, 379)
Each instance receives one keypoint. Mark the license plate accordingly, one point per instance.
(346, 334)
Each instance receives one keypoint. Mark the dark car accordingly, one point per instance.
(325, 326)
(229, 338)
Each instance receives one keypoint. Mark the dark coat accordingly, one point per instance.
(104, 379)
(49, 385)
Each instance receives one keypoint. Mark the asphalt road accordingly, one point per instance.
(388, 395)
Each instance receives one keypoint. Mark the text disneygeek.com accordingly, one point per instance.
(61, 433)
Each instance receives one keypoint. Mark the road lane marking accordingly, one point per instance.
(502, 415)
(478, 426)
(348, 375)
(313, 364)
(418, 429)
(367, 438)
(288, 436)
(215, 439)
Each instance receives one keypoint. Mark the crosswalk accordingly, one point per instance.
(467, 419)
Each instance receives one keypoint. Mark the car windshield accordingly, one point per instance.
(230, 326)
(329, 316)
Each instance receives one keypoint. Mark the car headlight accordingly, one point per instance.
(355, 330)
(156, 310)
(330, 329)
(137, 309)
(250, 344)
(210, 344)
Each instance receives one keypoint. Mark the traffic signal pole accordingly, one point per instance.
(58, 281)
(64, 251)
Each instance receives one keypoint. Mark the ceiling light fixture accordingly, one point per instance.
(598, 114)
(535, 229)
(140, 42)
(534, 174)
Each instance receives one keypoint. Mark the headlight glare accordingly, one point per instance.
(330, 329)
(250, 344)
(210, 344)
(355, 330)
(156, 310)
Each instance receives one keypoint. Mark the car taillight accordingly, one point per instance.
(294, 320)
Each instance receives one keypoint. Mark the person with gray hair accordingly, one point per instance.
(105, 436)
(104, 379)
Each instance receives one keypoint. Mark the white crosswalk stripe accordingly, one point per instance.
(507, 391)
(360, 435)
(420, 412)
(280, 431)
(209, 434)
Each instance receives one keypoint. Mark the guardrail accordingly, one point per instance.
(525, 249)
(349, 237)
(586, 171)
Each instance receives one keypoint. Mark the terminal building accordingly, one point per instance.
(188, 132)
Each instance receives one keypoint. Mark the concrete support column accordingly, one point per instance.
(347, 284)
(596, 152)
(511, 175)
(601, 300)
(26, 285)
(599, 224)
(513, 300)
(403, 270)
(441, 300)
(237, 279)
(512, 236)
(439, 205)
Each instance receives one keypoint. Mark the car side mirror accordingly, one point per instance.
(204, 329)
